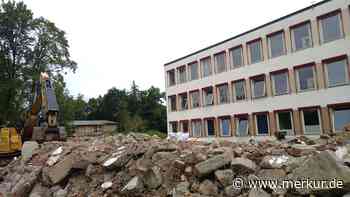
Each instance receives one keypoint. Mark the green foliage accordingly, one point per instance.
(28, 46)
(134, 111)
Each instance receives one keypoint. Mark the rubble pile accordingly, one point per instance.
(142, 165)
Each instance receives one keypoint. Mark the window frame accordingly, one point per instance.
(232, 65)
(332, 109)
(229, 126)
(256, 123)
(216, 62)
(234, 95)
(261, 50)
(191, 99)
(253, 86)
(190, 71)
(228, 99)
(278, 72)
(194, 121)
(308, 23)
(296, 68)
(180, 101)
(206, 126)
(171, 102)
(317, 108)
(179, 74)
(210, 66)
(291, 131)
(204, 98)
(237, 118)
(333, 60)
(181, 127)
(171, 123)
(168, 77)
(284, 52)
(320, 28)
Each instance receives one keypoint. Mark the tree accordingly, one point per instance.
(28, 46)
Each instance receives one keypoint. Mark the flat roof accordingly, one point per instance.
(249, 31)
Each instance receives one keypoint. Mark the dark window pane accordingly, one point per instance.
(262, 124)
(337, 73)
(341, 119)
(306, 78)
(255, 52)
(280, 82)
(236, 57)
(182, 74)
(284, 120)
(302, 37)
(331, 28)
(173, 126)
(171, 76)
(195, 99)
(208, 96)
(276, 43)
(210, 127)
(311, 121)
(239, 90)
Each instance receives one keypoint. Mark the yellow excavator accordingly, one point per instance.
(40, 122)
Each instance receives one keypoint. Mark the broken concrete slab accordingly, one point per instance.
(212, 164)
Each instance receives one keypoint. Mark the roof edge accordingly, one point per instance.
(249, 31)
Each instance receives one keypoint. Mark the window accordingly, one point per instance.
(337, 72)
(280, 83)
(225, 126)
(276, 44)
(306, 79)
(255, 51)
(184, 126)
(196, 128)
(220, 62)
(236, 55)
(259, 89)
(262, 124)
(301, 36)
(182, 74)
(206, 67)
(171, 77)
(193, 67)
(208, 98)
(195, 102)
(173, 127)
(210, 127)
(330, 27)
(223, 94)
(341, 118)
(242, 126)
(284, 122)
(183, 101)
(239, 90)
(172, 100)
(311, 120)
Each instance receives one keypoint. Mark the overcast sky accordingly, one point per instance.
(117, 41)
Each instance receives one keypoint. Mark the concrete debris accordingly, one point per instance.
(143, 165)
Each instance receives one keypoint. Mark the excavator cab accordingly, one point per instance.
(10, 141)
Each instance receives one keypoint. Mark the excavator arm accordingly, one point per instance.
(41, 120)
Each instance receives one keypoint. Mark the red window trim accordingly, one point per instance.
(254, 40)
(219, 53)
(236, 47)
(195, 119)
(193, 62)
(309, 107)
(209, 118)
(238, 80)
(284, 70)
(300, 24)
(331, 13)
(221, 84)
(245, 115)
(276, 32)
(336, 58)
(283, 110)
(260, 113)
(258, 76)
(304, 65)
(194, 91)
(224, 117)
(339, 105)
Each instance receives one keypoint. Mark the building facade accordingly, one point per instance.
(291, 75)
